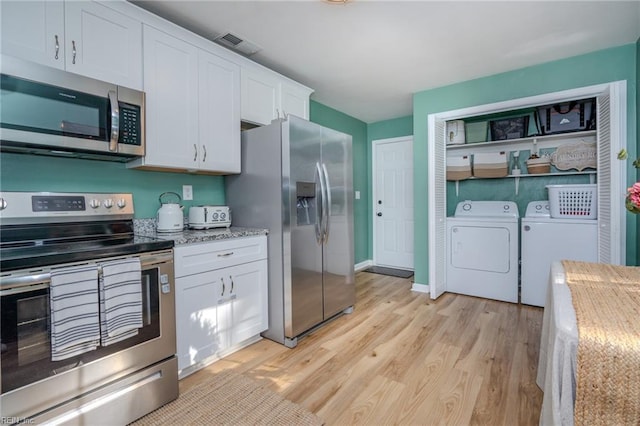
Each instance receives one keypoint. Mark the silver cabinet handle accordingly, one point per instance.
(57, 47)
(115, 121)
(225, 254)
(195, 150)
(231, 279)
(73, 49)
(223, 288)
(204, 153)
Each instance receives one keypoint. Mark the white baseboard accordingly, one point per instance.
(363, 265)
(420, 288)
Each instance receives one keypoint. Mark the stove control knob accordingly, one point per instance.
(108, 203)
(3, 204)
(122, 203)
(94, 204)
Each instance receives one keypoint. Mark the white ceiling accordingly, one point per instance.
(366, 58)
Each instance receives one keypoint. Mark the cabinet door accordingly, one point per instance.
(197, 331)
(219, 112)
(103, 44)
(34, 31)
(247, 310)
(294, 100)
(259, 96)
(171, 86)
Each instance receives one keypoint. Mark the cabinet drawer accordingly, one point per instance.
(202, 257)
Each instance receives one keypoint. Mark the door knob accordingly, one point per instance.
(380, 214)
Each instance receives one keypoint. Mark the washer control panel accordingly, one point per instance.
(487, 209)
(538, 209)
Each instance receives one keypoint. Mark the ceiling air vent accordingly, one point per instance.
(237, 44)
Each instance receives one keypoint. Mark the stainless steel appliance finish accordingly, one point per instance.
(207, 217)
(55, 112)
(114, 384)
(301, 189)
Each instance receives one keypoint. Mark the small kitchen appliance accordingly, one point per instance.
(206, 217)
(55, 112)
(169, 217)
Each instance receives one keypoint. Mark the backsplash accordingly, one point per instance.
(24, 172)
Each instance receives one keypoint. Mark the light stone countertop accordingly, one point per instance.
(147, 228)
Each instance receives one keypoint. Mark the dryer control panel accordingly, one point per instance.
(503, 209)
(538, 209)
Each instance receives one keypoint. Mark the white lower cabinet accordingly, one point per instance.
(219, 309)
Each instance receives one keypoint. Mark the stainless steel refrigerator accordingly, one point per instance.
(297, 181)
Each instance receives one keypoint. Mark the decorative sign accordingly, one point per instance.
(580, 155)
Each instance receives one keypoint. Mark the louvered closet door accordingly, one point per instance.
(605, 246)
(437, 224)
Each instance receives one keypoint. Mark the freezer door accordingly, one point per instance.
(304, 300)
(339, 283)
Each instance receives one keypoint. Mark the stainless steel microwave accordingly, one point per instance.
(45, 110)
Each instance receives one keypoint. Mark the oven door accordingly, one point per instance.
(31, 382)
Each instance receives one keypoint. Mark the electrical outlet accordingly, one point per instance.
(187, 192)
(357, 195)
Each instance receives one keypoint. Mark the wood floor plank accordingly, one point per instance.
(402, 359)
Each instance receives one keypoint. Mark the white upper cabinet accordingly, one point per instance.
(34, 30)
(267, 96)
(219, 112)
(83, 37)
(192, 107)
(294, 100)
(103, 44)
(259, 96)
(171, 87)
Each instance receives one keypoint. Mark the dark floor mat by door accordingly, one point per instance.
(400, 273)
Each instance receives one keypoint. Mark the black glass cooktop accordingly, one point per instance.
(35, 246)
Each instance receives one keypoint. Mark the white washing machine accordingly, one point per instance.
(482, 250)
(544, 240)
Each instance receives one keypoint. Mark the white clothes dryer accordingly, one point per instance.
(545, 239)
(482, 250)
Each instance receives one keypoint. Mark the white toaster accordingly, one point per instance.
(205, 217)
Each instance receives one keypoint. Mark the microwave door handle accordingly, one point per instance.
(115, 121)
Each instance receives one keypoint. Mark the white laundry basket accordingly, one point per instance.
(573, 201)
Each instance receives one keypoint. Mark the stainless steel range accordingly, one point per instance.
(88, 317)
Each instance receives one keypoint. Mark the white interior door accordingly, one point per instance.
(393, 202)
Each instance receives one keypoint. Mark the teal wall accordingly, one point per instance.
(341, 122)
(20, 172)
(386, 129)
(608, 65)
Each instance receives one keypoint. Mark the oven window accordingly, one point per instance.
(25, 342)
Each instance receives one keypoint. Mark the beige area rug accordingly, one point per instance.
(606, 299)
(227, 398)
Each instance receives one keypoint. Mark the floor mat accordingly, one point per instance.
(400, 273)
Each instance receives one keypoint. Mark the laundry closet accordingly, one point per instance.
(530, 173)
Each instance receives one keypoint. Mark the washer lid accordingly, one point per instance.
(538, 209)
(501, 209)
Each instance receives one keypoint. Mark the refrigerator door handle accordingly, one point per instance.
(327, 212)
(320, 207)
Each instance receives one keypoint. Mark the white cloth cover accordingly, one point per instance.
(120, 300)
(558, 352)
(75, 326)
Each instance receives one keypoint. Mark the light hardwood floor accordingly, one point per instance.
(402, 358)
